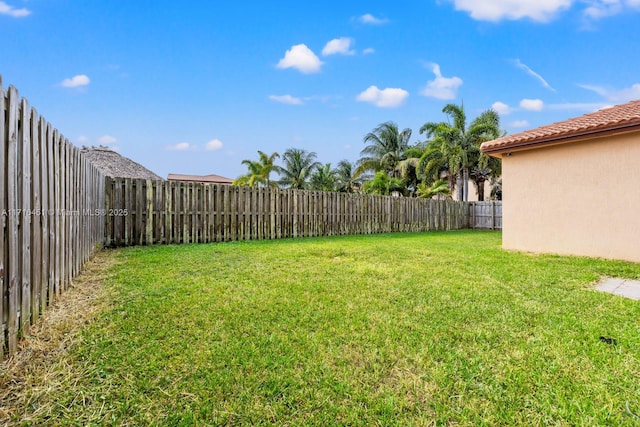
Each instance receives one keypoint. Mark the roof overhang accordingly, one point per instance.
(495, 149)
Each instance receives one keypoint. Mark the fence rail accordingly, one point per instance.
(47, 190)
(143, 212)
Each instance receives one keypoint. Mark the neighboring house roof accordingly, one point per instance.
(212, 178)
(621, 118)
(116, 165)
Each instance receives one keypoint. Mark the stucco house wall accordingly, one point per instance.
(581, 198)
(573, 187)
(473, 192)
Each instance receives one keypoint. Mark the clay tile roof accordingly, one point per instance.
(212, 178)
(617, 119)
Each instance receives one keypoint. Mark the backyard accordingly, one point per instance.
(437, 328)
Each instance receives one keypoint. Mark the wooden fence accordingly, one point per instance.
(485, 215)
(50, 205)
(56, 208)
(142, 212)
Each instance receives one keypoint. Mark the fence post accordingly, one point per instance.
(493, 215)
(150, 221)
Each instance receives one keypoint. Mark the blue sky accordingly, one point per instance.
(198, 86)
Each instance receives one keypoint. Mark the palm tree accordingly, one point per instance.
(323, 179)
(408, 167)
(384, 184)
(259, 171)
(439, 188)
(297, 169)
(433, 165)
(346, 179)
(386, 148)
(496, 189)
(487, 169)
(459, 146)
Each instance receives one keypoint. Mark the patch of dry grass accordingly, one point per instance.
(42, 362)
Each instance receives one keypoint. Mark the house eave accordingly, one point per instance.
(498, 151)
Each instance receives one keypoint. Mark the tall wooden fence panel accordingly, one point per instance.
(485, 215)
(142, 212)
(51, 207)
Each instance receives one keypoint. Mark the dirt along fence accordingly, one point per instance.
(143, 212)
(50, 205)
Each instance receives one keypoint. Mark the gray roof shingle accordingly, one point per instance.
(116, 165)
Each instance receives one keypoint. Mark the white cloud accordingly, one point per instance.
(519, 124)
(82, 139)
(588, 107)
(369, 51)
(5, 9)
(497, 10)
(286, 99)
(76, 81)
(387, 98)
(368, 18)
(541, 10)
(181, 146)
(501, 108)
(532, 104)
(340, 46)
(533, 74)
(107, 139)
(214, 144)
(442, 87)
(324, 99)
(616, 95)
(301, 58)
(598, 9)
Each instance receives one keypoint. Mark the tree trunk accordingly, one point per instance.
(481, 190)
(465, 184)
(460, 187)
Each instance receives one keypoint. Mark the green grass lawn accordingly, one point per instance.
(394, 329)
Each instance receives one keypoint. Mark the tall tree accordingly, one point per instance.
(323, 178)
(408, 167)
(487, 169)
(439, 188)
(386, 148)
(346, 179)
(384, 184)
(298, 165)
(459, 145)
(259, 171)
(441, 158)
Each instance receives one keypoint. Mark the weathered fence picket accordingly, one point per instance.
(51, 204)
(202, 213)
(486, 215)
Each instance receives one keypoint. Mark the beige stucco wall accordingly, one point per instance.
(580, 198)
(473, 192)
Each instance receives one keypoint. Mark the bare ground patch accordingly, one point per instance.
(42, 363)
